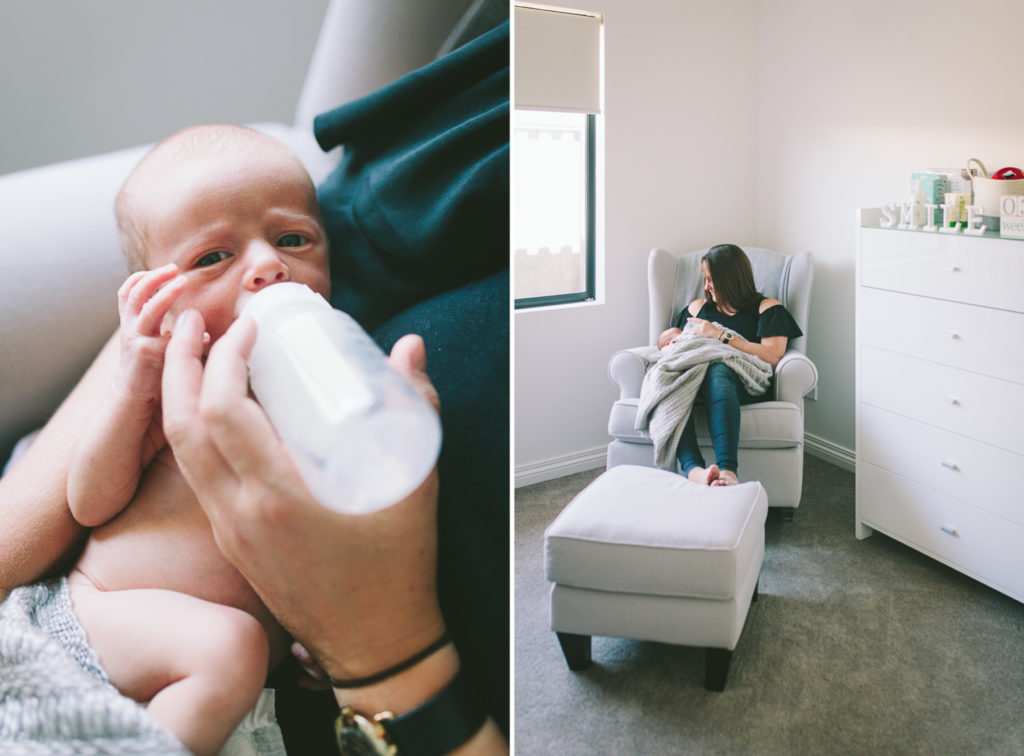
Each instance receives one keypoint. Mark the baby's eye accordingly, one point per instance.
(211, 258)
(292, 240)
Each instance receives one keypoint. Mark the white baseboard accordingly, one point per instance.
(832, 453)
(559, 467)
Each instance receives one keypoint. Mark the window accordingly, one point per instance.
(554, 154)
(553, 164)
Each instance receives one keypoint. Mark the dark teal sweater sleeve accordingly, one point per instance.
(419, 202)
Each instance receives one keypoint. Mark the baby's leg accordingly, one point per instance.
(199, 665)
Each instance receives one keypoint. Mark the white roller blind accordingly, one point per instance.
(557, 59)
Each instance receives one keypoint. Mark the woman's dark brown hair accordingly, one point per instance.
(732, 276)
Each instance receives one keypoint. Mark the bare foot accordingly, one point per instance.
(704, 476)
(726, 478)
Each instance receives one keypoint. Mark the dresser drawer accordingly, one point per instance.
(986, 476)
(978, 406)
(982, 545)
(979, 339)
(957, 267)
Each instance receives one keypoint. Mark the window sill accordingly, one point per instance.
(563, 306)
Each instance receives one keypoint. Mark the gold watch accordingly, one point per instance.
(360, 735)
(435, 728)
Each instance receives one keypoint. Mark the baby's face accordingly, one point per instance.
(233, 224)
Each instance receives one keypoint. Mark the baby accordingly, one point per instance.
(210, 216)
(671, 336)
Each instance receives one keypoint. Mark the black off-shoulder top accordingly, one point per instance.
(748, 322)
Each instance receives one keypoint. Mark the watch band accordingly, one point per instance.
(435, 728)
(440, 725)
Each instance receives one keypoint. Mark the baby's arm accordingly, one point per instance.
(125, 434)
(666, 337)
(36, 529)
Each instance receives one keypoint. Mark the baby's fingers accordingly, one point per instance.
(125, 290)
(140, 287)
(154, 311)
(145, 298)
(316, 678)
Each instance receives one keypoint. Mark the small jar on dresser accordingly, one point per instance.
(940, 397)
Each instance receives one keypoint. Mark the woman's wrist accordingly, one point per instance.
(390, 633)
(394, 669)
(413, 688)
(407, 689)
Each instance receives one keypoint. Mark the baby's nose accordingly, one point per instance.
(265, 267)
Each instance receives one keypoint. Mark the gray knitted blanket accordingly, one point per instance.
(54, 697)
(670, 387)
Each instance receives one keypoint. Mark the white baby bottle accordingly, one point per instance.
(360, 435)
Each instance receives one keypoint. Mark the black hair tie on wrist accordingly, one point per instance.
(384, 674)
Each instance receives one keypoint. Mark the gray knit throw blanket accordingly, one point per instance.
(54, 697)
(670, 387)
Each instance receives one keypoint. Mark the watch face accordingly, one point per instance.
(359, 736)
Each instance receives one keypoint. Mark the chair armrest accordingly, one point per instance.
(60, 270)
(795, 376)
(627, 367)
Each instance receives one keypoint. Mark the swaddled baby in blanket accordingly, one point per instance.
(671, 384)
(672, 336)
(210, 216)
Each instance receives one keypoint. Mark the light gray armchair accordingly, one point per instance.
(772, 431)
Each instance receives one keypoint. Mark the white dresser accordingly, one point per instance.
(940, 397)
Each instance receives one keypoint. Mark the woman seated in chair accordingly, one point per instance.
(757, 325)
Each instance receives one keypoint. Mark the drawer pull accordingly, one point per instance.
(948, 530)
(953, 400)
(953, 334)
(951, 268)
(950, 465)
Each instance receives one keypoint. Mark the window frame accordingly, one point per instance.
(590, 253)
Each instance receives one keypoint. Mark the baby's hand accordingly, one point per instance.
(314, 677)
(666, 337)
(143, 305)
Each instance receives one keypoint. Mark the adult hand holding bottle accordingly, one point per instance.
(357, 591)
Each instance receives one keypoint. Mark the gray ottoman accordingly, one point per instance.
(645, 554)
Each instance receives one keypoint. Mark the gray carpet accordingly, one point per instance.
(854, 647)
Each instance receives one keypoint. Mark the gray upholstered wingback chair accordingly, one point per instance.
(771, 431)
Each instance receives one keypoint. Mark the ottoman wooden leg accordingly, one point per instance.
(576, 649)
(716, 668)
(786, 513)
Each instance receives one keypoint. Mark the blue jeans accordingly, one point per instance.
(723, 393)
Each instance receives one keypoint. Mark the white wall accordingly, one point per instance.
(826, 106)
(853, 98)
(679, 106)
(83, 78)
